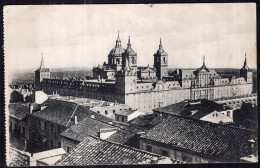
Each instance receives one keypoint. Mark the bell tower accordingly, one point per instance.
(161, 62)
(246, 73)
(42, 73)
(129, 57)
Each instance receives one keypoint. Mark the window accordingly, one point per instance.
(123, 119)
(228, 113)
(149, 148)
(68, 149)
(106, 113)
(216, 114)
(98, 112)
(23, 131)
(114, 111)
(59, 130)
(213, 115)
(117, 118)
(165, 153)
(59, 144)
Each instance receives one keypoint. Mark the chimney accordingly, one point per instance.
(252, 147)
(30, 108)
(76, 120)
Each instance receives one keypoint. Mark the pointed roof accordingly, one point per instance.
(161, 50)
(203, 67)
(118, 49)
(129, 49)
(245, 64)
(42, 67)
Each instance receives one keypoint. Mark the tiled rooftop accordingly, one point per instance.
(61, 112)
(185, 108)
(20, 110)
(173, 108)
(90, 126)
(142, 120)
(94, 151)
(203, 138)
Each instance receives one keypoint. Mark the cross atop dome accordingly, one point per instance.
(118, 41)
(160, 45)
(203, 67)
(129, 43)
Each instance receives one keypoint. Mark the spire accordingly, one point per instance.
(118, 41)
(42, 62)
(204, 60)
(129, 43)
(245, 63)
(160, 46)
(118, 35)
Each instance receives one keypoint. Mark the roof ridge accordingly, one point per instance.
(110, 124)
(129, 147)
(72, 115)
(202, 121)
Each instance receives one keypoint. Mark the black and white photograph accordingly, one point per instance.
(130, 84)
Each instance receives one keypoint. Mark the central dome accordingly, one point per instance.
(118, 49)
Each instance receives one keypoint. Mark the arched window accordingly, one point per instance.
(149, 73)
(117, 61)
(164, 60)
(133, 60)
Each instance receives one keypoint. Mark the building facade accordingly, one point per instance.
(121, 80)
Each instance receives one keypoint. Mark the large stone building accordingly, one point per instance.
(145, 88)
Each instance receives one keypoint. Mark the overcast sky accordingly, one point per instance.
(83, 35)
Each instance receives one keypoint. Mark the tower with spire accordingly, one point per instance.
(161, 62)
(42, 73)
(129, 57)
(246, 72)
(115, 55)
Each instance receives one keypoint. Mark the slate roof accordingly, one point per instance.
(20, 110)
(61, 112)
(94, 151)
(216, 141)
(90, 126)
